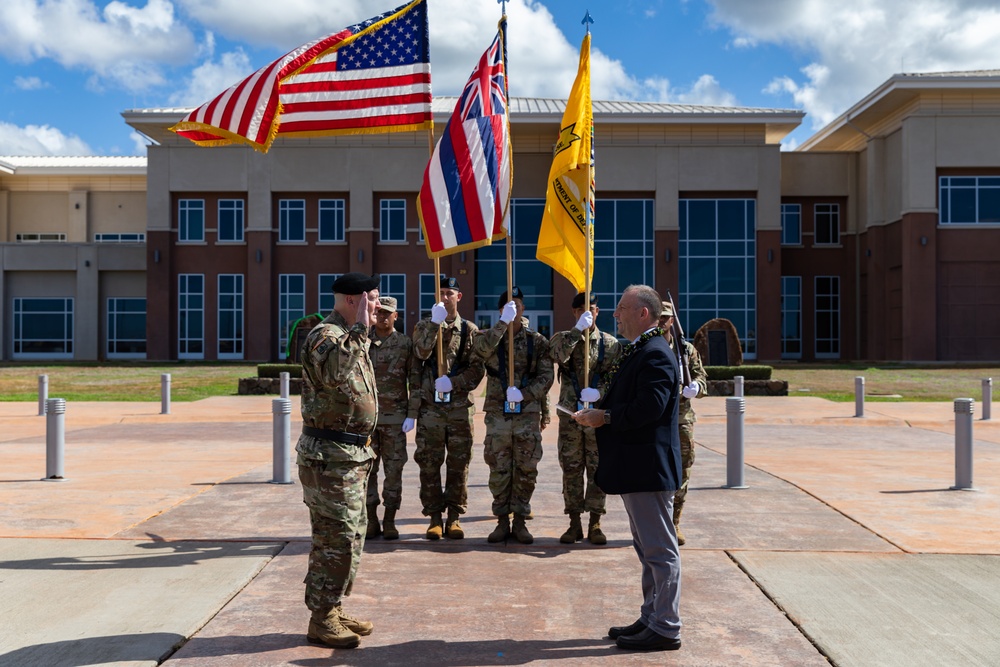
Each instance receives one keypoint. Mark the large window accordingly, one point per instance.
(392, 221)
(394, 285)
(126, 328)
(230, 316)
(292, 220)
(969, 199)
(533, 277)
(191, 220)
(826, 224)
(791, 317)
(428, 290)
(43, 328)
(291, 306)
(718, 269)
(827, 317)
(326, 280)
(230, 220)
(331, 220)
(623, 252)
(191, 316)
(791, 224)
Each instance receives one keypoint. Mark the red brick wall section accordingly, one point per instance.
(768, 295)
(161, 297)
(919, 287)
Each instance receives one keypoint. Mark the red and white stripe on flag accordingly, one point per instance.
(369, 78)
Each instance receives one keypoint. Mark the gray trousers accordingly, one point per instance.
(650, 516)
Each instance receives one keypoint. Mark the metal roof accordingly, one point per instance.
(69, 165)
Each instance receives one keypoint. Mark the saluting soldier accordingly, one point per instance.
(578, 443)
(696, 387)
(339, 414)
(514, 415)
(444, 423)
(392, 357)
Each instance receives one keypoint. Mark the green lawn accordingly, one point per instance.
(887, 382)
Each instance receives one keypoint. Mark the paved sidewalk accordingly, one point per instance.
(167, 545)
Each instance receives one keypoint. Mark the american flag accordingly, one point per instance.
(369, 78)
(466, 188)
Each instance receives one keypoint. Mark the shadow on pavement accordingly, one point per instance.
(144, 647)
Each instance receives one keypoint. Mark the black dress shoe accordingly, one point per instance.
(648, 640)
(625, 630)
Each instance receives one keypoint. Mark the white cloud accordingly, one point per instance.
(29, 83)
(139, 143)
(211, 78)
(39, 140)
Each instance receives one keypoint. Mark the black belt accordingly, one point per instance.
(337, 436)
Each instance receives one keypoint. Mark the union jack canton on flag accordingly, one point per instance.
(466, 188)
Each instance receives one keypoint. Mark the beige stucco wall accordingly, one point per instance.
(117, 212)
(37, 213)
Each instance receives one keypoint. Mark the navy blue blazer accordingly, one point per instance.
(640, 449)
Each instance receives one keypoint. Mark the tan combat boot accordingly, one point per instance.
(678, 508)
(389, 531)
(363, 628)
(502, 530)
(434, 530)
(520, 531)
(326, 628)
(453, 528)
(575, 531)
(594, 533)
(374, 530)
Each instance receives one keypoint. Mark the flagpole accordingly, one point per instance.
(437, 271)
(587, 20)
(509, 244)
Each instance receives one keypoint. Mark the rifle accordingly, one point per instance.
(677, 331)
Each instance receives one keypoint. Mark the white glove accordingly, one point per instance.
(438, 313)
(585, 322)
(408, 424)
(442, 385)
(690, 391)
(509, 312)
(589, 394)
(514, 395)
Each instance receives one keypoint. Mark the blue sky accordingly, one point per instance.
(68, 68)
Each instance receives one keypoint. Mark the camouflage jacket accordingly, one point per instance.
(338, 388)
(392, 359)
(533, 377)
(685, 413)
(465, 377)
(566, 349)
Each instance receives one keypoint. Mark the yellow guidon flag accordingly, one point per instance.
(563, 238)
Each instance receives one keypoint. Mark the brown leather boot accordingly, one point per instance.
(520, 531)
(325, 627)
(502, 530)
(678, 508)
(362, 628)
(435, 530)
(575, 531)
(453, 528)
(374, 530)
(389, 531)
(594, 533)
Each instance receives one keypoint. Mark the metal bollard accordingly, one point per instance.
(281, 408)
(859, 396)
(55, 439)
(284, 384)
(43, 393)
(987, 398)
(738, 386)
(964, 407)
(735, 407)
(165, 394)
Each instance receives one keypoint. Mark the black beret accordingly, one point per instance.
(450, 283)
(578, 300)
(355, 283)
(518, 294)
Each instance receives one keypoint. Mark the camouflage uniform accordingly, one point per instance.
(444, 430)
(338, 394)
(685, 421)
(577, 443)
(513, 445)
(392, 359)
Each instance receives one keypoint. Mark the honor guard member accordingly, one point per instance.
(444, 423)
(514, 414)
(577, 443)
(339, 413)
(696, 387)
(392, 358)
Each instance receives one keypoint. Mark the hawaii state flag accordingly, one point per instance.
(369, 78)
(466, 188)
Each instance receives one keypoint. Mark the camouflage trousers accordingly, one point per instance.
(512, 450)
(578, 460)
(334, 491)
(687, 460)
(389, 445)
(444, 437)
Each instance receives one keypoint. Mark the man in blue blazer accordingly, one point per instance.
(639, 458)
